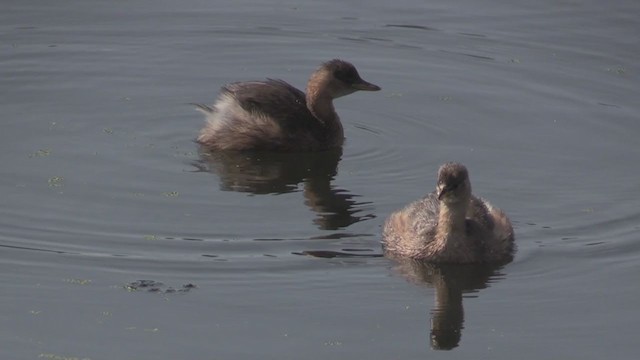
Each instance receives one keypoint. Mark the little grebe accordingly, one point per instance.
(450, 225)
(273, 115)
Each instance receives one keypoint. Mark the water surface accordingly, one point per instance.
(102, 184)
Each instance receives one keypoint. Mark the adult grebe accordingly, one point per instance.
(273, 115)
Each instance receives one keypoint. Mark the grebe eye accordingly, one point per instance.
(345, 75)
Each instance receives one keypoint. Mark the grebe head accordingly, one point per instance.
(338, 78)
(453, 183)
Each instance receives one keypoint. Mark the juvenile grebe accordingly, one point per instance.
(273, 115)
(450, 225)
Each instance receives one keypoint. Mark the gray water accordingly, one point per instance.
(278, 257)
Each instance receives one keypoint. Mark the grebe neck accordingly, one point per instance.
(321, 107)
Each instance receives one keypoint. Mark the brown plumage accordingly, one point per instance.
(450, 225)
(273, 115)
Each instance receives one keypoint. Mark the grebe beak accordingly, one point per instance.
(364, 86)
(441, 190)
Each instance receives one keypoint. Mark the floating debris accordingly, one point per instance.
(157, 287)
(61, 357)
(40, 153)
(618, 70)
(55, 181)
(78, 281)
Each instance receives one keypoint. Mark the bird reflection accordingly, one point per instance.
(278, 173)
(450, 281)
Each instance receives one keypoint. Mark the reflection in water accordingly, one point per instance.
(450, 282)
(278, 173)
